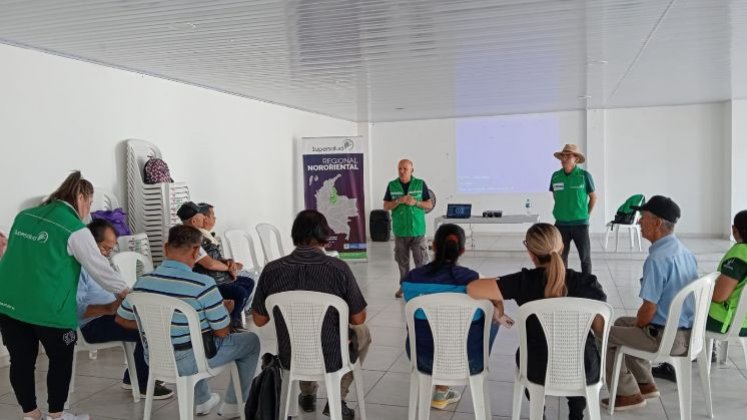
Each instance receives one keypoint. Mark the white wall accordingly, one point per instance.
(58, 114)
(677, 151)
(674, 150)
(431, 145)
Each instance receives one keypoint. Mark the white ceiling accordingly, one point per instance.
(384, 60)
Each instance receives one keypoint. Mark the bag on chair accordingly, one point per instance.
(265, 394)
(625, 213)
(156, 171)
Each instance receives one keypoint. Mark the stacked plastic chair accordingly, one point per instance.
(151, 208)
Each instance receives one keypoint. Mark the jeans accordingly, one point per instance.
(104, 330)
(579, 234)
(239, 291)
(243, 348)
(474, 347)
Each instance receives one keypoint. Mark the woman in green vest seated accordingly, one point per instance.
(729, 284)
(47, 246)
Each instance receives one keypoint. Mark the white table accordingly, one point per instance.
(509, 219)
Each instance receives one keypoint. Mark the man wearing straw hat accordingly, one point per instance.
(573, 191)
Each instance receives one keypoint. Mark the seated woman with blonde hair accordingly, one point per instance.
(549, 279)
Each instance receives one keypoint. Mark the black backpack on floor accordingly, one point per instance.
(264, 396)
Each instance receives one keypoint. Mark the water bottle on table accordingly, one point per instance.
(528, 206)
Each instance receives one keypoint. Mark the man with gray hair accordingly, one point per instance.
(408, 199)
(669, 267)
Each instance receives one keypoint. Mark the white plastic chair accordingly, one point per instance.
(303, 313)
(450, 316)
(126, 264)
(731, 332)
(634, 231)
(266, 233)
(129, 351)
(241, 246)
(566, 323)
(154, 313)
(701, 289)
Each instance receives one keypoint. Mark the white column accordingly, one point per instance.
(596, 154)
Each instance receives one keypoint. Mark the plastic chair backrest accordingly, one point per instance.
(701, 289)
(303, 313)
(126, 263)
(241, 246)
(450, 316)
(566, 323)
(153, 313)
(104, 200)
(266, 231)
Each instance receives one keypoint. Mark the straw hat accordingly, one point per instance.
(571, 148)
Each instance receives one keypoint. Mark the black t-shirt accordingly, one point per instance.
(405, 189)
(310, 269)
(529, 285)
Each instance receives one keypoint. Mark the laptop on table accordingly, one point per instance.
(458, 211)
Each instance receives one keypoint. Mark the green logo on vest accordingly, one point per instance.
(41, 237)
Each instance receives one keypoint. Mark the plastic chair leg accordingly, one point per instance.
(334, 398)
(640, 240)
(617, 237)
(412, 407)
(71, 388)
(592, 402)
(607, 237)
(518, 399)
(536, 402)
(615, 379)
(129, 350)
(184, 395)
(148, 410)
(286, 395)
(425, 388)
(683, 371)
(744, 349)
(237, 387)
(632, 238)
(476, 385)
(704, 368)
(359, 390)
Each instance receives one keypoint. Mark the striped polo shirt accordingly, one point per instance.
(176, 279)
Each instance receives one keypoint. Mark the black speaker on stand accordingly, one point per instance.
(380, 225)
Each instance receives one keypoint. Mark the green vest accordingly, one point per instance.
(407, 221)
(571, 198)
(38, 278)
(724, 311)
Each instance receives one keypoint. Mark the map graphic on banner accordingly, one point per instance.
(338, 209)
(333, 185)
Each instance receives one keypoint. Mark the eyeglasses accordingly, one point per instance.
(525, 244)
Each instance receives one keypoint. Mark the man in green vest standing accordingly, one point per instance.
(407, 198)
(573, 191)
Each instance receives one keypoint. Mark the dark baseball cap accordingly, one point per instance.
(662, 207)
(188, 210)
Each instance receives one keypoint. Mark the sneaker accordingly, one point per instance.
(442, 399)
(207, 406)
(626, 402)
(664, 371)
(230, 411)
(66, 415)
(307, 402)
(160, 392)
(398, 294)
(347, 413)
(649, 390)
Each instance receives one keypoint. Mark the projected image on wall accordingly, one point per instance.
(507, 154)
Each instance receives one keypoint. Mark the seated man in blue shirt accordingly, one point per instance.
(96, 309)
(174, 277)
(668, 268)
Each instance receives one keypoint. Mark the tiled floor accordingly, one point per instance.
(385, 376)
